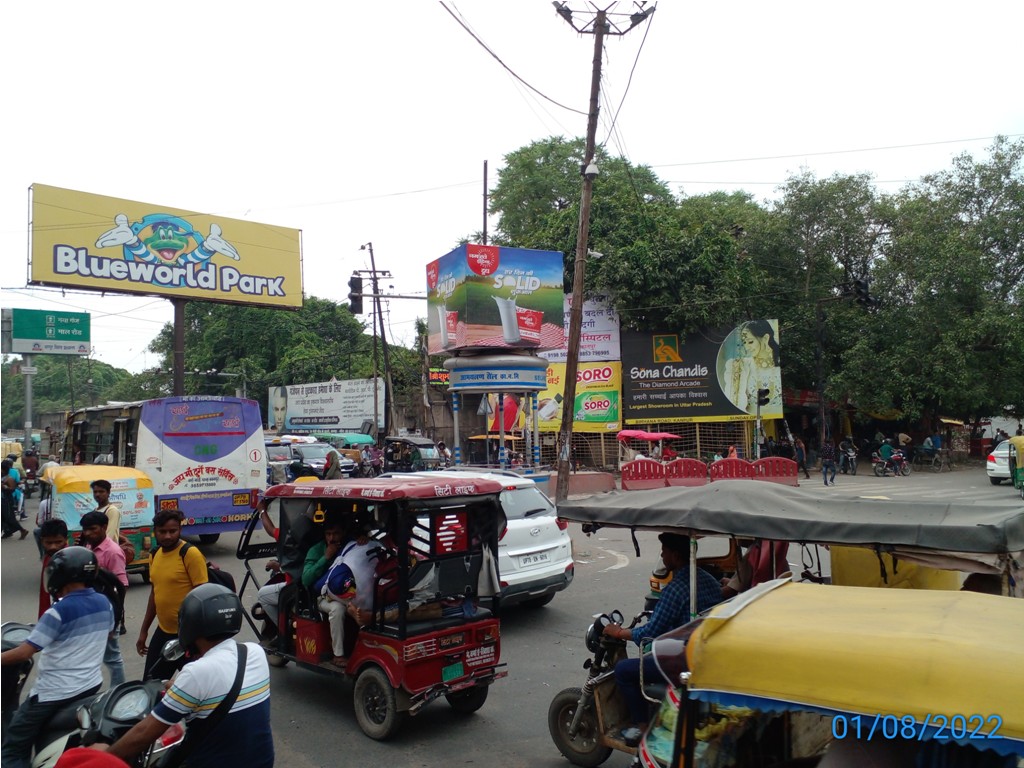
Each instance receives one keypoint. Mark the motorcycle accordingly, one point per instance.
(103, 717)
(585, 722)
(848, 461)
(897, 463)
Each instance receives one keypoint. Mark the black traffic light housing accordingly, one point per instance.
(355, 295)
(762, 397)
(862, 292)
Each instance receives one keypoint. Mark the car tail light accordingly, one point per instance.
(569, 567)
(503, 532)
(562, 524)
(992, 458)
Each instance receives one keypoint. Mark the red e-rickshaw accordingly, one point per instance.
(433, 629)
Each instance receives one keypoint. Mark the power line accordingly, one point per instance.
(629, 82)
(836, 152)
(503, 64)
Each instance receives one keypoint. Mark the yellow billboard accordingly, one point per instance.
(100, 243)
(598, 398)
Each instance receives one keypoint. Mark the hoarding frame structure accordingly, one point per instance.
(93, 242)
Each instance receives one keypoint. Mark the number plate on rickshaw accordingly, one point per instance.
(452, 672)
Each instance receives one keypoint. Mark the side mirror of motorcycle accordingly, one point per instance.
(173, 650)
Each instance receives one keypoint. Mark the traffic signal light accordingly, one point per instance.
(862, 292)
(355, 295)
(762, 397)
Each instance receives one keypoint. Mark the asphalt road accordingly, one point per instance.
(312, 713)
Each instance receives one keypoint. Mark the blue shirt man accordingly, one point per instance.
(672, 611)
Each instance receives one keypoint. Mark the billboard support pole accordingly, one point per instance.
(179, 346)
(27, 363)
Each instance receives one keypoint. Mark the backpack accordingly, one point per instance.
(213, 573)
(106, 583)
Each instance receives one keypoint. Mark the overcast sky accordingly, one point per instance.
(370, 122)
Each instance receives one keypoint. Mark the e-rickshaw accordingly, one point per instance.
(791, 674)
(348, 443)
(873, 542)
(130, 489)
(1016, 462)
(433, 629)
(411, 454)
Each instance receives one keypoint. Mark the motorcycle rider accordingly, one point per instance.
(886, 452)
(671, 611)
(72, 637)
(209, 618)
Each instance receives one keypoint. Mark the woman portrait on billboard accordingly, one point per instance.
(748, 360)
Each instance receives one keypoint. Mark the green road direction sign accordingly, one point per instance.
(42, 332)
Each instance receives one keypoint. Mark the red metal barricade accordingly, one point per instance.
(776, 469)
(732, 469)
(643, 474)
(686, 472)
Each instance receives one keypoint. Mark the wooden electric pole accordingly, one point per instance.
(599, 28)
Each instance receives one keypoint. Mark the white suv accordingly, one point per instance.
(535, 554)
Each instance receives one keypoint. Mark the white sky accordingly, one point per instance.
(334, 117)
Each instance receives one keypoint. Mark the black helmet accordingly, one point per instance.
(69, 565)
(209, 610)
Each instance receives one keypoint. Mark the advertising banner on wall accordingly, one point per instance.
(327, 406)
(100, 243)
(490, 297)
(598, 398)
(711, 376)
(599, 335)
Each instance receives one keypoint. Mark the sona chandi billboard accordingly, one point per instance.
(82, 240)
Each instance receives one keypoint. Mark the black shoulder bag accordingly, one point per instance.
(198, 732)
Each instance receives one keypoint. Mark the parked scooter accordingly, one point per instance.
(897, 464)
(585, 722)
(848, 461)
(103, 717)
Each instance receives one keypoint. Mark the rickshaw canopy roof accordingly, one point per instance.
(761, 510)
(352, 438)
(77, 478)
(386, 489)
(639, 434)
(866, 651)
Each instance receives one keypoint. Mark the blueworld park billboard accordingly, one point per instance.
(83, 240)
(714, 375)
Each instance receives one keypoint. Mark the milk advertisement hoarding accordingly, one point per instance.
(100, 243)
(325, 406)
(599, 332)
(491, 297)
(597, 407)
(713, 375)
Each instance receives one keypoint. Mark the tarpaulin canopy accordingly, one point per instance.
(639, 434)
(749, 508)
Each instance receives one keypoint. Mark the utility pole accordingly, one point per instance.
(379, 320)
(604, 23)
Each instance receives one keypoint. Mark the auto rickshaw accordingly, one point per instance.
(432, 630)
(806, 675)
(1017, 463)
(872, 543)
(130, 489)
(411, 454)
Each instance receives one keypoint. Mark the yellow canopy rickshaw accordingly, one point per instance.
(130, 489)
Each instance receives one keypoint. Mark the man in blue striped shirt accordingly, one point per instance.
(672, 610)
(72, 637)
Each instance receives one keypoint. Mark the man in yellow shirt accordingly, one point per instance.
(172, 576)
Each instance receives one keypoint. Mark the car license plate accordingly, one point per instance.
(452, 672)
(537, 557)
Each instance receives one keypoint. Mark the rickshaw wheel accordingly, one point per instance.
(468, 701)
(376, 705)
(584, 748)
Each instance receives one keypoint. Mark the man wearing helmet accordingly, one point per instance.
(72, 636)
(209, 618)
